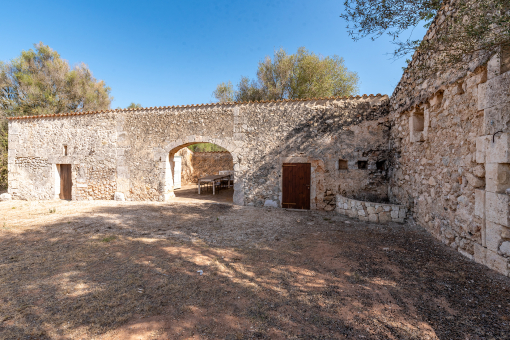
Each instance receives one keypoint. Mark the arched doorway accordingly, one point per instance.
(211, 170)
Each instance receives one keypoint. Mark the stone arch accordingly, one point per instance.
(167, 166)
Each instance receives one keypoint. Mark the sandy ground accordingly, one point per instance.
(191, 269)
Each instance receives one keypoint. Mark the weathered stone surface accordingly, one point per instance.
(474, 181)
(499, 150)
(270, 203)
(505, 248)
(119, 196)
(493, 233)
(369, 211)
(5, 197)
(480, 203)
(497, 262)
(498, 177)
(497, 208)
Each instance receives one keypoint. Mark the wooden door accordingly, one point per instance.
(296, 185)
(66, 182)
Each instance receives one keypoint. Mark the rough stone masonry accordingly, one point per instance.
(438, 151)
(131, 151)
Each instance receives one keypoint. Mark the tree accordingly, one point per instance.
(301, 75)
(465, 29)
(134, 106)
(40, 82)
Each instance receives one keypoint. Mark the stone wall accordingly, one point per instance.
(36, 146)
(346, 140)
(370, 211)
(447, 166)
(186, 165)
(210, 163)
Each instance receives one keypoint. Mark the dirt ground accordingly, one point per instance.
(193, 269)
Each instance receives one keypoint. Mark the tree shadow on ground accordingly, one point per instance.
(266, 274)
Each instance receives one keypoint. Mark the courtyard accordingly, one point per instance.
(206, 270)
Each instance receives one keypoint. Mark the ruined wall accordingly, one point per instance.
(37, 145)
(210, 163)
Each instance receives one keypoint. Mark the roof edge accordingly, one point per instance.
(79, 113)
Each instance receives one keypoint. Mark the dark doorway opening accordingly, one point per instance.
(66, 181)
(296, 179)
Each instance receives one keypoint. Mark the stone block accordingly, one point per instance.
(402, 214)
(496, 118)
(480, 203)
(494, 92)
(499, 151)
(398, 220)
(481, 147)
(394, 214)
(270, 203)
(505, 248)
(384, 217)
(361, 212)
(5, 197)
(371, 210)
(498, 177)
(493, 235)
(497, 208)
(373, 218)
(496, 262)
(119, 196)
(493, 67)
(480, 254)
(474, 181)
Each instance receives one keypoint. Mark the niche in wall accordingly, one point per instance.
(363, 165)
(342, 164)
(380, 165)
(417, 125)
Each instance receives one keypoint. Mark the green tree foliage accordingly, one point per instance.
(205, 147)
(470, 28)
(134, 106)
(293, 76)
(40, 82)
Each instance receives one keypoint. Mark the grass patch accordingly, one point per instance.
(108, 239)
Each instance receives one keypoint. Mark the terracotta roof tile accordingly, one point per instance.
(194, 105)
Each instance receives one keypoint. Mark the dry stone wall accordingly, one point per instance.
(371, 211)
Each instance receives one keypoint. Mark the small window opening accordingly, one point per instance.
(363, 165)
(342, 164)
(418, 121)
(381, 165)
(65, 150)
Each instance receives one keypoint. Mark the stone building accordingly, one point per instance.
(130, 152)
(438, 152)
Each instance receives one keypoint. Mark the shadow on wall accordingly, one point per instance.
(88, 275)
(327, 136)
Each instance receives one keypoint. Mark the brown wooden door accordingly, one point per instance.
(66, 182)
(296, 185)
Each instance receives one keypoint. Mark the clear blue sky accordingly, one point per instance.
(160, 53)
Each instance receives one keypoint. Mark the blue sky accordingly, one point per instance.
(160, 53)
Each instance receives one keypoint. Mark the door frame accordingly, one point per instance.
(315, 176)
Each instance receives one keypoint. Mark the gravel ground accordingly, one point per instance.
(202, 270)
